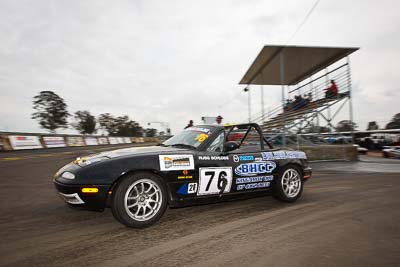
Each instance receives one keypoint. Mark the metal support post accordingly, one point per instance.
(262, 105)
(350, 97)
(249, 104)
(329, 107)
(282, 78)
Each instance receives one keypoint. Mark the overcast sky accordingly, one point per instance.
(173, 61)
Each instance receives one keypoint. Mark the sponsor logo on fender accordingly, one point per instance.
(237, 158)
(186, 189)
(176, 162)
(185, 175)
(255, 179)
(253, 186)
(254, 168)
(283, 155)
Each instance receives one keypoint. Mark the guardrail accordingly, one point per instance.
(21, 141)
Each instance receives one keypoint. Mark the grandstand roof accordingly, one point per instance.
(299, 63)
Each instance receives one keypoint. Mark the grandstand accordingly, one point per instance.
(301, 70)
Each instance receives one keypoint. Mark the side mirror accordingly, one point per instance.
(230, 146)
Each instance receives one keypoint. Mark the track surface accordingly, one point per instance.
(348, 215)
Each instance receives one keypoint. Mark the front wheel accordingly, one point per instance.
(139, 200)
(289, 186)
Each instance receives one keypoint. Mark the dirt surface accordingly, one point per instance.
(348, 216)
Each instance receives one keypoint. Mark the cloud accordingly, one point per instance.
(181, 60)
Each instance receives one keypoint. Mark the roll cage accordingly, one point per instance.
(228, 129)
(248, 126)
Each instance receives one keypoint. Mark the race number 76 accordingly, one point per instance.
(211, 180)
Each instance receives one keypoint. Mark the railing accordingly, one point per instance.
(316, 88)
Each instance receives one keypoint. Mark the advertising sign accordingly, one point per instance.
(91, 141)
(137, 139)
(54, 141)
(127, 140)
(102, 140)
(19, 142)
(75, 141)
(112, 140)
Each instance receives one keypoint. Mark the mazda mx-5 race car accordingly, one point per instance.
(195, 166)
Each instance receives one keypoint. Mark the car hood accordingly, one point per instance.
(126, 152)
(139, 150)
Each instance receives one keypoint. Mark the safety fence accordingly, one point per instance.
(21, 141)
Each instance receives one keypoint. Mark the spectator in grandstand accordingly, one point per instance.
(299, 102)
(189, 125)
(296, 102)
(288, 105)
(331, 91)
(308, 97)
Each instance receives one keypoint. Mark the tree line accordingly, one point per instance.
(51, 112)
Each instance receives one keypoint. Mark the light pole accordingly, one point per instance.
(247, 89)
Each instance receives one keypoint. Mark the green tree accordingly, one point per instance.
(51, 111)
(345, 126)
(394, 123)
(127, 127)
(107, 122)
(85, 122)
(150, 132)
(120, 126)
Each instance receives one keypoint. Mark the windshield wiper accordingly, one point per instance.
(183, 146)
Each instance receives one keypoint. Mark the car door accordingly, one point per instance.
(215, 171)
(250, 171)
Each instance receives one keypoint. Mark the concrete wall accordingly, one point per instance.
(330, 152)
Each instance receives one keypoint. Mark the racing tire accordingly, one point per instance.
(289, 185)
(139, 200)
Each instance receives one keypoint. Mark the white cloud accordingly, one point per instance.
(179, 60)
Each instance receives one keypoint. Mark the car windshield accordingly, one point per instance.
(191, 137)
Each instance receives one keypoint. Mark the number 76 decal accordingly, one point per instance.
(211, 180)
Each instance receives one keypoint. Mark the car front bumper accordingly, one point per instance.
(73, 195)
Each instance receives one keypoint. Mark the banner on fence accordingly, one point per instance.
(24, 142)
(102, 140)
(75, 141)
(112, 140)
(137, 139)
(54, 141)
(91, 141)
(127, 140)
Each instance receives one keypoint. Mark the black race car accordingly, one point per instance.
(195, 166)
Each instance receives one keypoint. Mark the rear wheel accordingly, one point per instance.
(139, 200)
(289, 185)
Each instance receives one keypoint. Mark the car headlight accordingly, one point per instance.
(84, 161)
(68, 175)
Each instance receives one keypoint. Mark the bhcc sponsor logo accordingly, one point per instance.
(249, 169)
